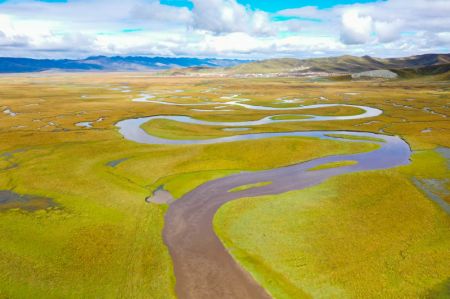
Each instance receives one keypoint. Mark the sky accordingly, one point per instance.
(245, 29)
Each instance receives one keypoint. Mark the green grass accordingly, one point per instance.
(180, 184)
(249, 186)
(171, 129)
(290, 117)
(346, 237)
(353, 137)
(103, 241)
(101, 231)
(333, 165)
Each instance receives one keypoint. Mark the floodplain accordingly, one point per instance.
(75, 222)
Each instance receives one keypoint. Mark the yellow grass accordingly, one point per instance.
(333, 165)
(104, 241)
(249, 186)
(371, 235)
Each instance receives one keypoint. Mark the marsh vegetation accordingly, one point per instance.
(92, 234)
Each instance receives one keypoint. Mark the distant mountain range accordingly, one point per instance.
(104, 63)
(232, 67)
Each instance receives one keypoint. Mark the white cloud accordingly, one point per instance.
(356, 29)
(390, 18)
(154, 11)
(225, 28)
(388, 31)
(227, 16)
(9, 37)
(237, 42)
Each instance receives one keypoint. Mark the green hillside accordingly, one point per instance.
(341, 64)
(441, 71)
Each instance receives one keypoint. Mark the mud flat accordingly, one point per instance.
(160, 196)
(11, 200)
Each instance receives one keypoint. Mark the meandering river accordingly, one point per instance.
(203, 267)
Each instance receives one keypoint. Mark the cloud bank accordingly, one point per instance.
(221, 28)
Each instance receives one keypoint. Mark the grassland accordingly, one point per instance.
(102, 240)
(289, 117)
(371, 235)
(352, 137)
(249, 186)
(333, 165)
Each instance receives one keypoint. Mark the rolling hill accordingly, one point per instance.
(341, 64)
(441, 71)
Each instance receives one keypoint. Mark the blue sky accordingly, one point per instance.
(223, 28)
